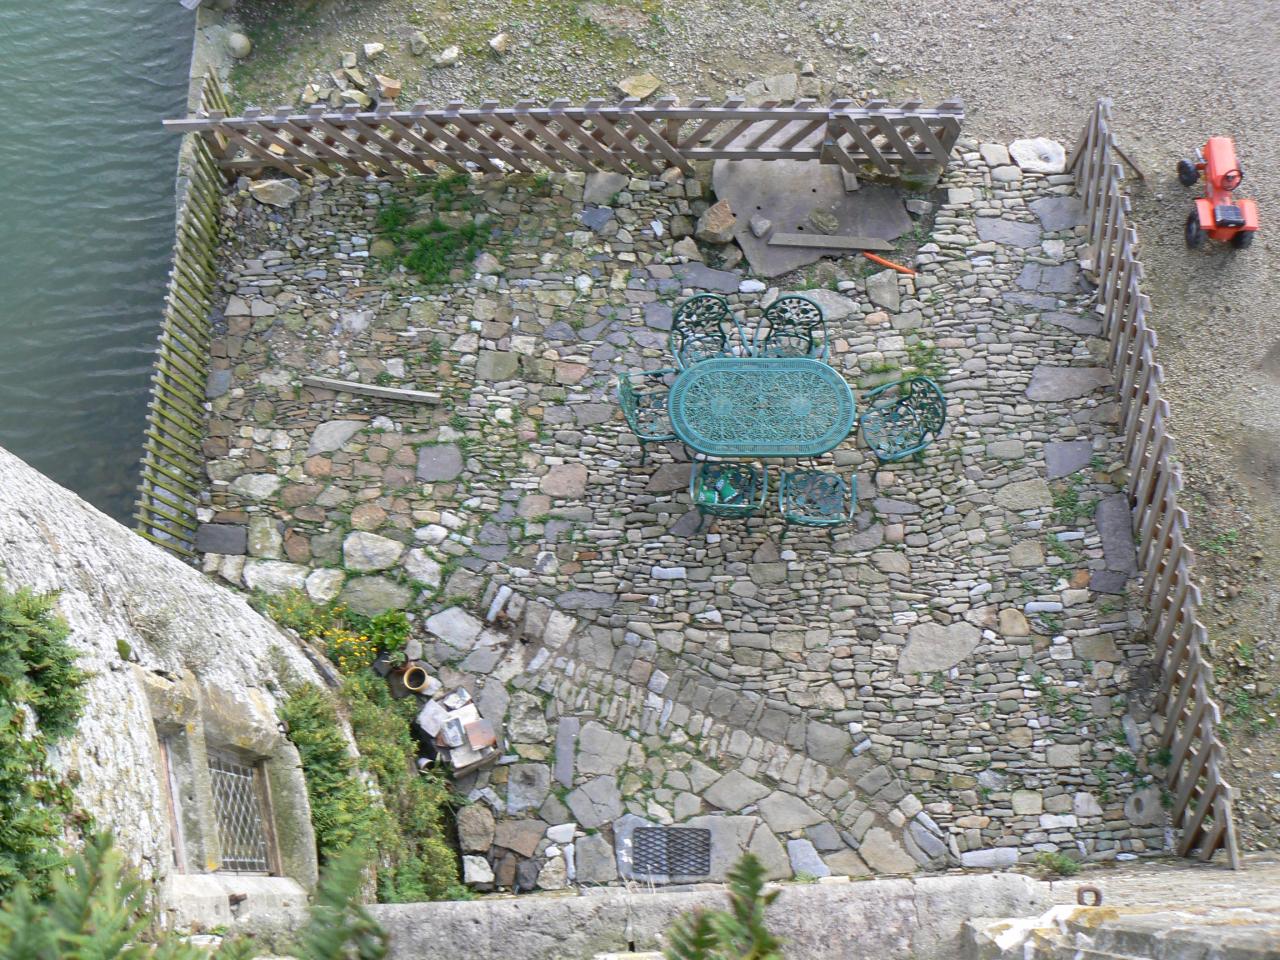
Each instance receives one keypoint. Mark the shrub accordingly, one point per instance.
(736, 934)
(98, 909)
(41, 699)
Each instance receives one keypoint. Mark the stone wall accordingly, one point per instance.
(885, 919)
(171, 654)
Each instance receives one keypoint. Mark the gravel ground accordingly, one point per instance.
(1178, 73)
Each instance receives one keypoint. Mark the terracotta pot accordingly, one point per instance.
(415, 677)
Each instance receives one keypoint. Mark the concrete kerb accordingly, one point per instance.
(918, 919)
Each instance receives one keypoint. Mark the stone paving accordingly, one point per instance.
(951, 681)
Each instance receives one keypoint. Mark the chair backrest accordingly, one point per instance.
(642, 395)
(792, 326)
(701, 328)
(921, 396)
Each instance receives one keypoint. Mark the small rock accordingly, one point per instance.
(371, 50)
(487, 264)
(882, 288)
(348, 59)
(275, 193)
(639, 86)
(825, 222)
(500, 43)
(448, 57)
(476, 870)
(418, 43)
(716, 223)
(759, 225)
(388, 88)
(686, 248)
(238, 45)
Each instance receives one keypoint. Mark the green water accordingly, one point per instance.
(86, 197)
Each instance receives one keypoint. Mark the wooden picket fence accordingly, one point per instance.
(904, 141)
(173, 460)
(1184, 709)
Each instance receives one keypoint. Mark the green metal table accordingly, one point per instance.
(761, 407)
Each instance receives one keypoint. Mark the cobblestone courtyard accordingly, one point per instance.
(952, 680)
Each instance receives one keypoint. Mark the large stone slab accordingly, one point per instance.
(785, 812)
(884, 854)
(1075, 322)
(567, 480)
(227, 538)
(600, 750)
(595, 860)
(367, 552)
(702, 278)
(787, 193)
(1014, 233)
(1066, 383)
(274, 576)
(475, 828)
(596, 802)
(566, 740)
(455, 627)
(1062, 278)
(932, 646)
(1024, 495)
(734, 791)
(439, 462)
(371, 596)
(1064, 457)
(805, 860)
(1039, 155)
(1116, 529)
(527, 786)
(1058, 213)
(332, 435)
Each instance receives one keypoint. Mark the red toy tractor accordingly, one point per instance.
(1218, 214)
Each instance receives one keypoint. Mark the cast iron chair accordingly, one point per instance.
(726, 488)
(642, 394)
(702, 328)
(792, 326)
(904, 417)
(816, 498)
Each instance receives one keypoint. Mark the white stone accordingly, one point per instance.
(274, 576)
(476, 870)
(274, 193)
(448, 57)
(365, 552)
(421, 567)
(256, 486)
(562, 832)
(1039, 155)
(324, 585)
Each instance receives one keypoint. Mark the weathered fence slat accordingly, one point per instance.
(1184, 710)
(597, 135)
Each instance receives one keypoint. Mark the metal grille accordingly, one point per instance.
(671, 851)
(238, 806)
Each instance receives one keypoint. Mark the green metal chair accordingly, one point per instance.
(816, 498)
(727, 488)
(701, 328)
(642, 394)
(904, 417)
(792, 326)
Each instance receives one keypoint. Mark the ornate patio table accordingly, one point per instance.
(761, 407)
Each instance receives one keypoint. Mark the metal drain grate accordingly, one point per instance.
(671, 851)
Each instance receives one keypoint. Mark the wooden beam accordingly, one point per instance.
(369, 390)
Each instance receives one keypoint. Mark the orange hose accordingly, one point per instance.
(889, 263)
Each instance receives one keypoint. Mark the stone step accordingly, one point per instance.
(1175, 935)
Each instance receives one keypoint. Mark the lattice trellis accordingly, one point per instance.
(238, 808)
(626, 136)
(671, 851)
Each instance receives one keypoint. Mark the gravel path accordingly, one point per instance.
(1178, 73)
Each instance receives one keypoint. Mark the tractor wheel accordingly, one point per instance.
(1242, 239)
(1195, 236)
(1187, 173)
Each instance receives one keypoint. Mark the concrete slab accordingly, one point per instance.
(787, 193)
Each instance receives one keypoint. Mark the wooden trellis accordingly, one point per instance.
(173, 459)
(1200, 797)
(628, 136)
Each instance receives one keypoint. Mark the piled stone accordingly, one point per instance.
(951, 680)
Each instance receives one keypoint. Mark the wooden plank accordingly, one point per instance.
(657, 142)
(824, 241)
(492, 146)
(528, 144)
(369, 390)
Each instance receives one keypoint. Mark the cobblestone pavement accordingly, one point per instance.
(952, 680)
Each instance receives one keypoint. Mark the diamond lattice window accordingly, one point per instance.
(239, 808)
(671, 851)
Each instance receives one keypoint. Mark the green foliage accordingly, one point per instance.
(736, 934)
(1068, 508)
(41, 698)
(431, 249)
(1060, 549)
(97, 910)
(342, 811)
(1219, 544)
(1058, 864)
(926, 360)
